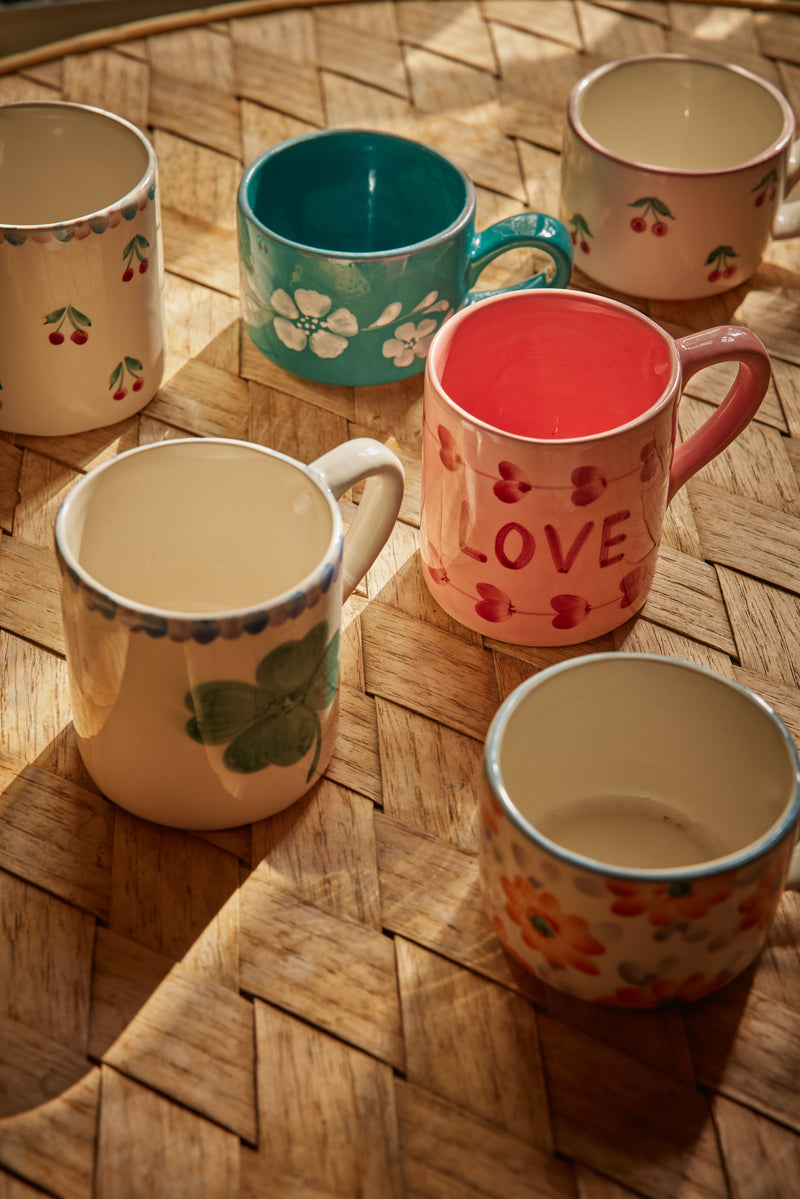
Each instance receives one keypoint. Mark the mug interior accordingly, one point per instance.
(642, 763)
(64, 162)
(554, 365)
(678, 113)
(197, 527)
(355, 191)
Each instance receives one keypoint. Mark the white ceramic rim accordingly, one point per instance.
(546, 294)
(331, 555)
(583, 85)
(463, 218)
(722, 865)
(121, 201)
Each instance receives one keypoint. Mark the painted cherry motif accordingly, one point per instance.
(130, 367)
(513, 483)
(79, 321)
(719, 260)
(766, 188)
(579, 232)
(136, 248)
(651, 206)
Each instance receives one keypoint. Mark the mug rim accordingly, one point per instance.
(467, 210)
(112, 117)
(580, 131)
(722, 865)
(448, 328)
(166, 616)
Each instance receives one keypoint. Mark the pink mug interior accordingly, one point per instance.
(567, 369)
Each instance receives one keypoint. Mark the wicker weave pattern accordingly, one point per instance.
(316, 1006)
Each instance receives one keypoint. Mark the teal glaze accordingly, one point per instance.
(356, 245)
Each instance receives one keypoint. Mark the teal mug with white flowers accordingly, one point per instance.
(355, 246)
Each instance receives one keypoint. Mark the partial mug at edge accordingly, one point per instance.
(674, 175)
(82, 339)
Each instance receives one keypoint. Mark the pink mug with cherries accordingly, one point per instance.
(549, 457)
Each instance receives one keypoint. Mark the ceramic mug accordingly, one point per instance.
(549, 458)
(82, 337)
(639, 817)
(356, 245)
(201, 586)
(673, 175)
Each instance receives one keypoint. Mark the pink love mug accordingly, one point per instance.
(549, 457)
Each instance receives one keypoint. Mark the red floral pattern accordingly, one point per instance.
(589, 483)
(513, 483)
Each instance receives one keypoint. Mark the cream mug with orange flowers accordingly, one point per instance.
(673, 175)
(82, 329)
(639, 824)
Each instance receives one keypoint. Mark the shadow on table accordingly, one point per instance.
(102, 913)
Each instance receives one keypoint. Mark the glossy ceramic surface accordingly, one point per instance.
(546, 472)
(355, 246)
(634, 935)
(82, 334)
(674, 173)
(201, 587)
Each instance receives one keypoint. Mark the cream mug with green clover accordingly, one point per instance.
(356, 245)
(202, 582)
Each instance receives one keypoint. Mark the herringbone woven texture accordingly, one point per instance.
(316, 1006)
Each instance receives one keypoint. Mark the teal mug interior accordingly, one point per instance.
(357, 192)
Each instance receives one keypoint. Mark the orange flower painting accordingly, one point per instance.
(562, 939)
(668, 902)
(664, 990)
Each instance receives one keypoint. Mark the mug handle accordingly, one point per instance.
(523, 229)
(725, 343)
(786, 222)
(346, 465)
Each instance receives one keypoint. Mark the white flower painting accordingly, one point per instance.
(307, 320)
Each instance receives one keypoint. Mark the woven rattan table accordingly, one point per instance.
(316, 1005)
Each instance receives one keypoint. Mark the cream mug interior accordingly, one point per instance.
(644, 766)
(197, 533)
(690, 115)
(61, 163)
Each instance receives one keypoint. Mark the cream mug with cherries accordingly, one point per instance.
(202, 582)
(674, 174)
(549, 458)
(639, 818)
(82, 335)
